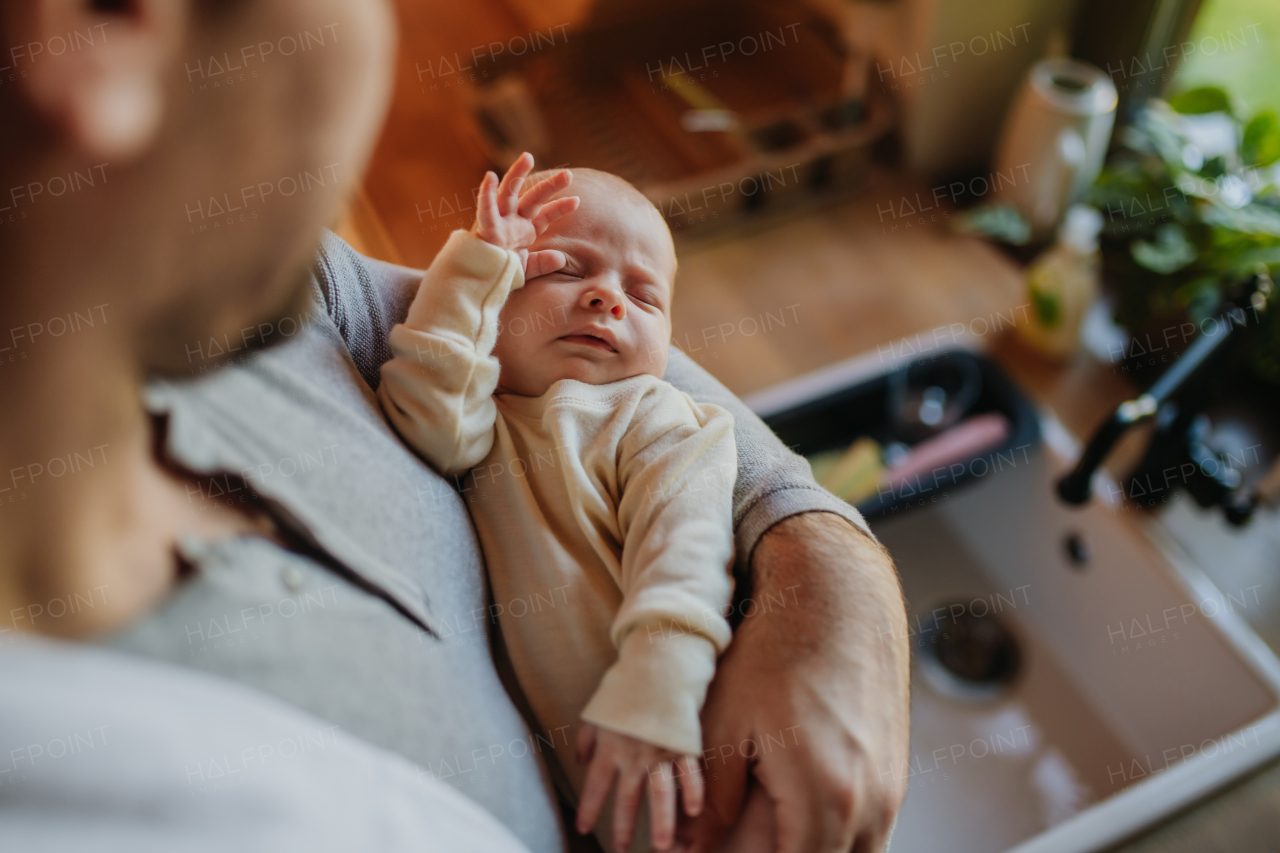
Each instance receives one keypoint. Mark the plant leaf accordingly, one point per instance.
(1261, 145)
(1214, 167)
(1247, 262)
(996, 221)
(1170, 252)
(1206, 99)
(1250, 219)
(1157, 130)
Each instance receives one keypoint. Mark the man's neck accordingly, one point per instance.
(82, 546)
(88, 511)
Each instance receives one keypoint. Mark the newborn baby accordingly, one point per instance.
(532, 357)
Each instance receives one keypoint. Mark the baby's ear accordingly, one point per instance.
(544, 262)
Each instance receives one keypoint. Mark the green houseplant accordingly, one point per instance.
(1191, 213)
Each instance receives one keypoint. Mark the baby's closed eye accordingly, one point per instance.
(570, 270)
(648, 294)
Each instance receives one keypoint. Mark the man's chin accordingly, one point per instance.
(299, 306)
(213, 349)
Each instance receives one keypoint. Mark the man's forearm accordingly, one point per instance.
(843, 580)
(820, 663)
(848, 620)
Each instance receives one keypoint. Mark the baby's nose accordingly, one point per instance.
(616, 310)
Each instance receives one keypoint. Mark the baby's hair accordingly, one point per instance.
(582, 172)
(597, 176)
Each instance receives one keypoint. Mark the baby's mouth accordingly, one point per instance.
(589, 341)
(602, 340)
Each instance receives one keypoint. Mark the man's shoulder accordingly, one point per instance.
(341, 280)
(364, 298)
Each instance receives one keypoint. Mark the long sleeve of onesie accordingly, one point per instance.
(677, 465)
(437, 389)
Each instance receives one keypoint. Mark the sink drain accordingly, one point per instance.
(967, 655)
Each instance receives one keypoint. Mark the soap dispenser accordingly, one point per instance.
(1061, 285)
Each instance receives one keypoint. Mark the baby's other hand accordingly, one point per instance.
(510, 220)
(634, 763)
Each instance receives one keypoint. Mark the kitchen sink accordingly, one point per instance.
(1075, 678)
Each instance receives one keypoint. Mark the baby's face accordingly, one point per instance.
(606, 315)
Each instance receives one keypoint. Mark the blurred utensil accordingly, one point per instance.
(928, 397)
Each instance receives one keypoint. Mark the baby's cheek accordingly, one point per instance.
(509, 346)
(655, 346)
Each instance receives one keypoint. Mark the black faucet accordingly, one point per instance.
(1175, 402)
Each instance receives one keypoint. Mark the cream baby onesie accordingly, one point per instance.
(604, 512)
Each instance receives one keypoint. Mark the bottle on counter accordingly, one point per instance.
(1062, 283)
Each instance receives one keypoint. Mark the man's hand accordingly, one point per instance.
(635, 765)
(811, 697)
(513, 221)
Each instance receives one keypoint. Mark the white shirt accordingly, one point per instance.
(103, 751)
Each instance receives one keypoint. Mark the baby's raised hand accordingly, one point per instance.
(635, 764)
(510, 220)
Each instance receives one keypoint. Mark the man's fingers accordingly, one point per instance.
(702, 834)
(509, 191)
(725, 788)
(816, 807)
(727, 776)
(872, 843)
(553, 210)
(599, 779)
(692, 789)
(802, 826)
(544, 262)
(755, 831)
(626, 803)
(662, 804)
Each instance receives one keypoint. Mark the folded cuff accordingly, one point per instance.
(655, 690)
(781, 504)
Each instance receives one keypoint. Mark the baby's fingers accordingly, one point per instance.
(662, 805)
(552, 211)
(625, 805)
(487, 205)
(509, 191)
(692, 785)
(535, 195)
(599, 780)
(543, 262)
